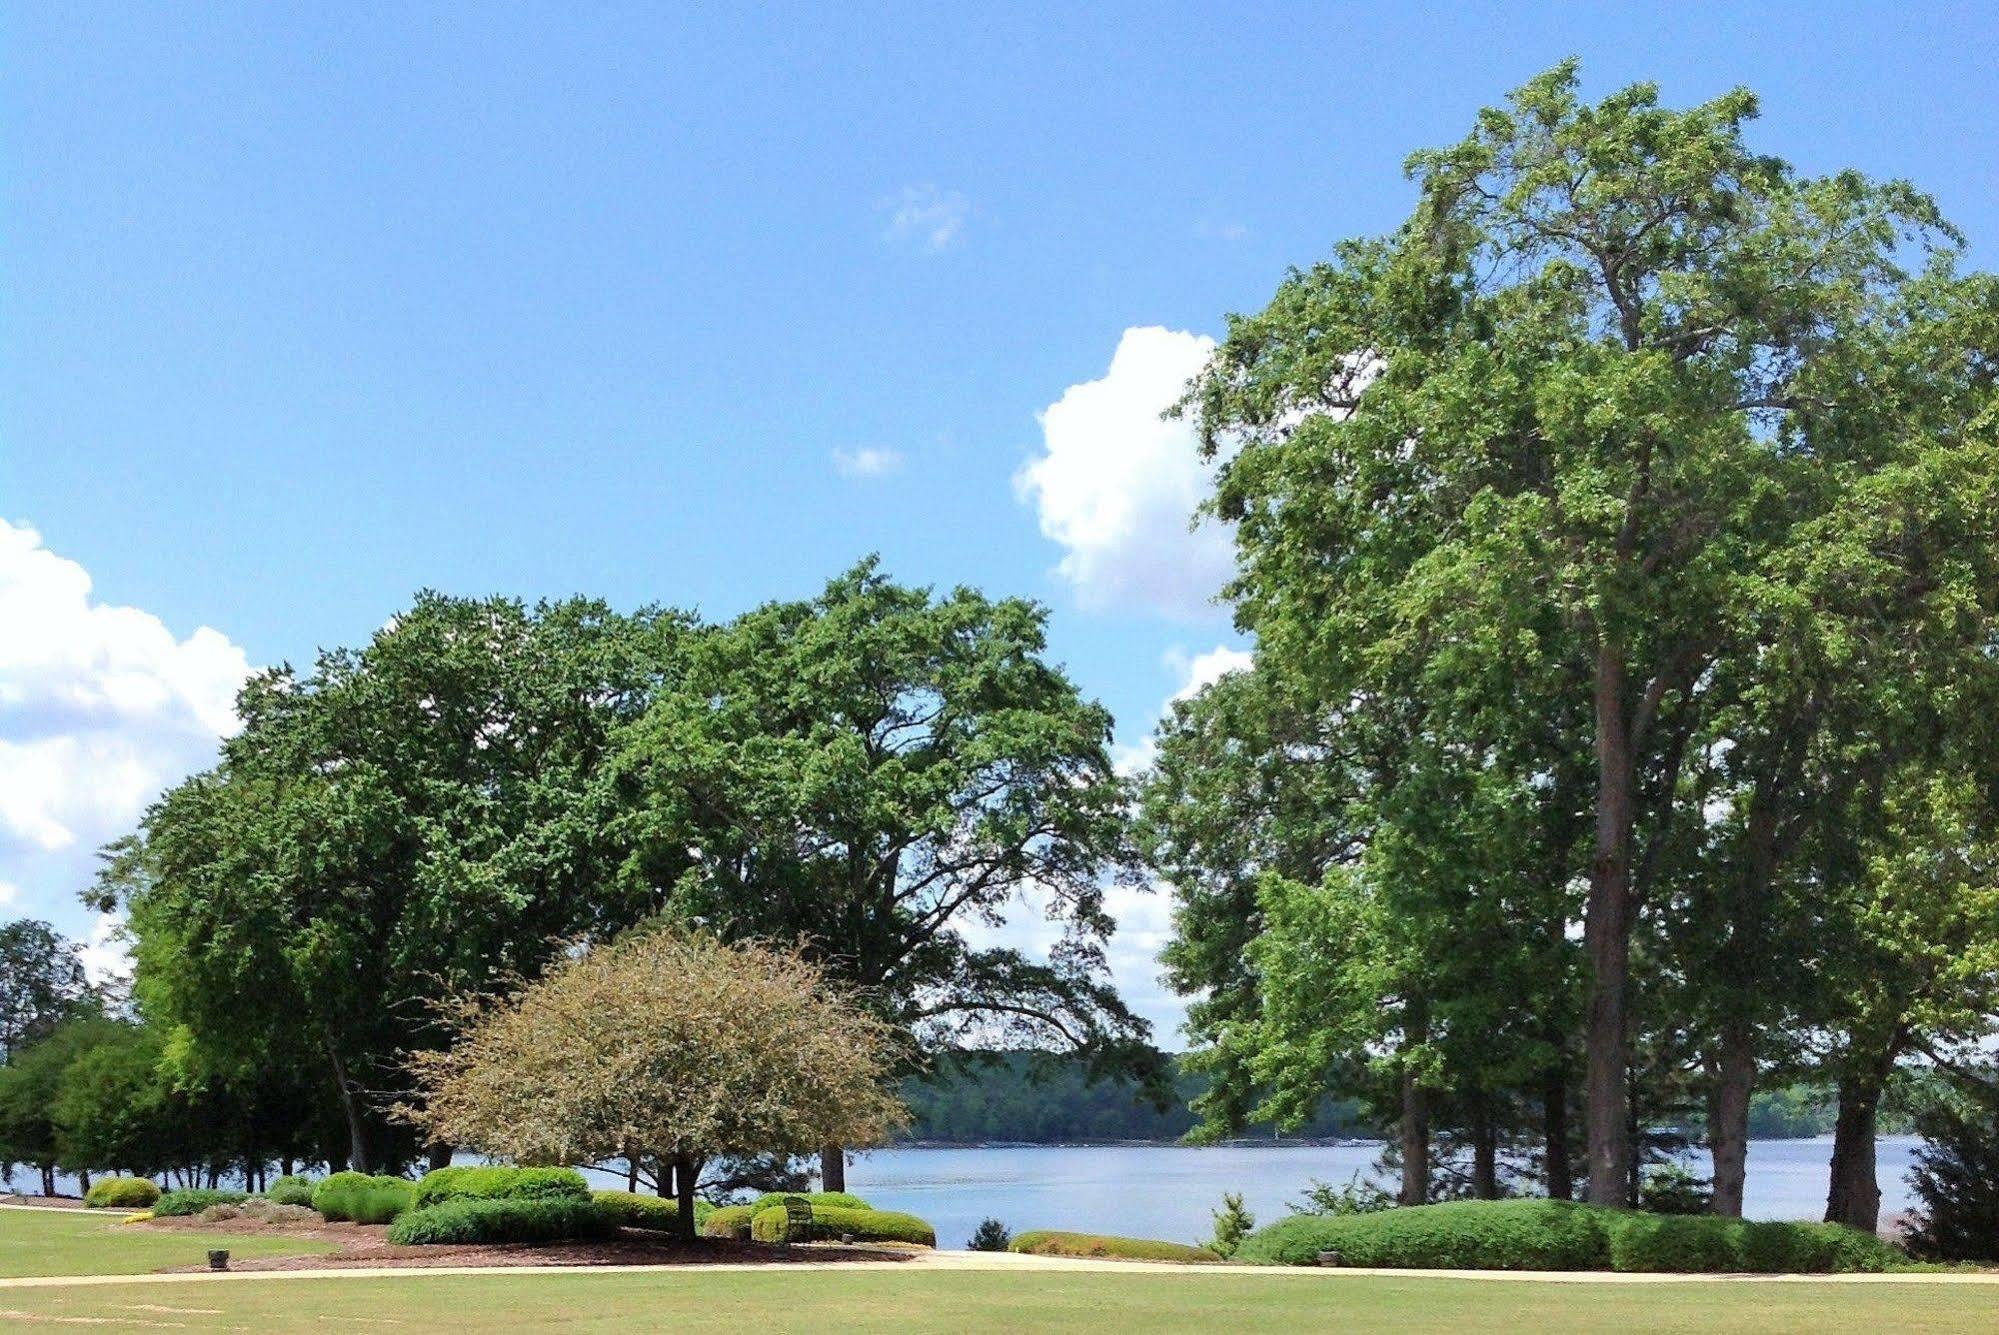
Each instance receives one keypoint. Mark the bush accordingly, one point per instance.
(499, 1182)
(1957, 1181)
(292, 1189)
(472, 1219)
(1233, 1223)
(1707, 1244)
(1053, 1242)
(628, 1209)
(192, 1201)
(1457, 1235)
(831, 1221)
(845, 1200)
(1563, 1235)
(121, 1193)
(1671, 1188)
(1356, 1197)
(990, 1236)
(731, 1221)
(363, 1199)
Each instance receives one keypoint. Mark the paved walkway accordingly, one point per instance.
(992, 1261)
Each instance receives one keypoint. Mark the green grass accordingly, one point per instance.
(893, 1300)
(76, 1242)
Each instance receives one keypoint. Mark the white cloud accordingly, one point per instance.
(1220, 231)
(107, 954)
(930, 218)
(8, 894)
(100, 708)
(868, 461)
(1194, 672)
(1117, 485)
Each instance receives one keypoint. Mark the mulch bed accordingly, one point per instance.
(367, 1245)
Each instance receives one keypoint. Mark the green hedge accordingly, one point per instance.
(363, 1199)
(730, 1221)
(1562, 1235)
(628, 1209)
(830, 1221)
(121, 1193)
(499, 1182)
(292, 1189)
(1708, 1244)
(1054, 1242)
(845, 1200)
(471, 1219)
(193, 1200)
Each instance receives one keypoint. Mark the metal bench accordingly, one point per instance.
(797, 1219)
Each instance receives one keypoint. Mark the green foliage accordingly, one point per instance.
(628, 1209)
(187, 1201)
(1232, 1224)
(1054, 1242)
(831, 1221)
(497, 1182)
(1356, 1197)
(122, 1193)
(292, 1189)
(1957, 1180)
(990, 1236)
(1673, 1188)
(844, 1199)
(730, 1221)
(470, 1219)
(363, 1198)
(41, 980)
(1709, 1244)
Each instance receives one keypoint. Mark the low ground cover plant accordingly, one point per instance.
(499, 1182)
(291, 1189)
(363, 1199)
(187, 1201)
(1055, 1242)
(1563, 1235)
(121, 1193)
(628, 1209)
(834, 1221)
(471, 1219)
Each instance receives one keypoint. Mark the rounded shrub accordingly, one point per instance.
(291, 1189)
(121, 1193)
(363, 1199)
(471, 1219)
(845, 1200)
(730, 1221)
(1054, 1242)
(499, 1182)
(1456, 1235)
(1708, 1244)
(833, 1221)
(628, 1209)
(188, 1201)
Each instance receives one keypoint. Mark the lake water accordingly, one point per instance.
(1169, 1191)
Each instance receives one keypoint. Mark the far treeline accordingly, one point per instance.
(1619, 542)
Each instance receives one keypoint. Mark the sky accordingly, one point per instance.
(304, 308)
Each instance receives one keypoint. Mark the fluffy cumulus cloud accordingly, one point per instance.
(1192, 672)
(1116, 484)
(100, 708)
(868, 461)
(926, 217)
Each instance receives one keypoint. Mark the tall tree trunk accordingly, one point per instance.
(49, 1180)
(683, 1179)
(1607, 941)
(1485, 1159)
(833, 1168)
(1415, 1141)
(1555, 1131)
(358, 1158)
(83, 1180)
(287, 1163)
(1853, 1197)
(663, 1184)
(440, 1156)
(632, 1173)
(1728, 1116)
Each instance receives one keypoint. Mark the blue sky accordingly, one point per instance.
(303, 308)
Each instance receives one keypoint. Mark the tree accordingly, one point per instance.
(663, 1046)
(1957, 1174)
(406, 820)
(870, 772)
(30, 1084)
(1613, 361)
(41, 979)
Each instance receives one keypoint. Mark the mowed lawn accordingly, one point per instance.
(904, 1300)
(94, 1242)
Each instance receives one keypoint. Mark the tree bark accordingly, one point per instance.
(358, 1158)
(833, 1168)
(440, 1156)
(1415, 1141)
(1485, 1160)
(1607, 941)
(1728, 1116)
(1555, 1132)
(632, 1174)
(1853, 1197)
(683, 1181)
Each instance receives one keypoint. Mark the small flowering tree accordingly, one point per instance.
(664, 1046)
